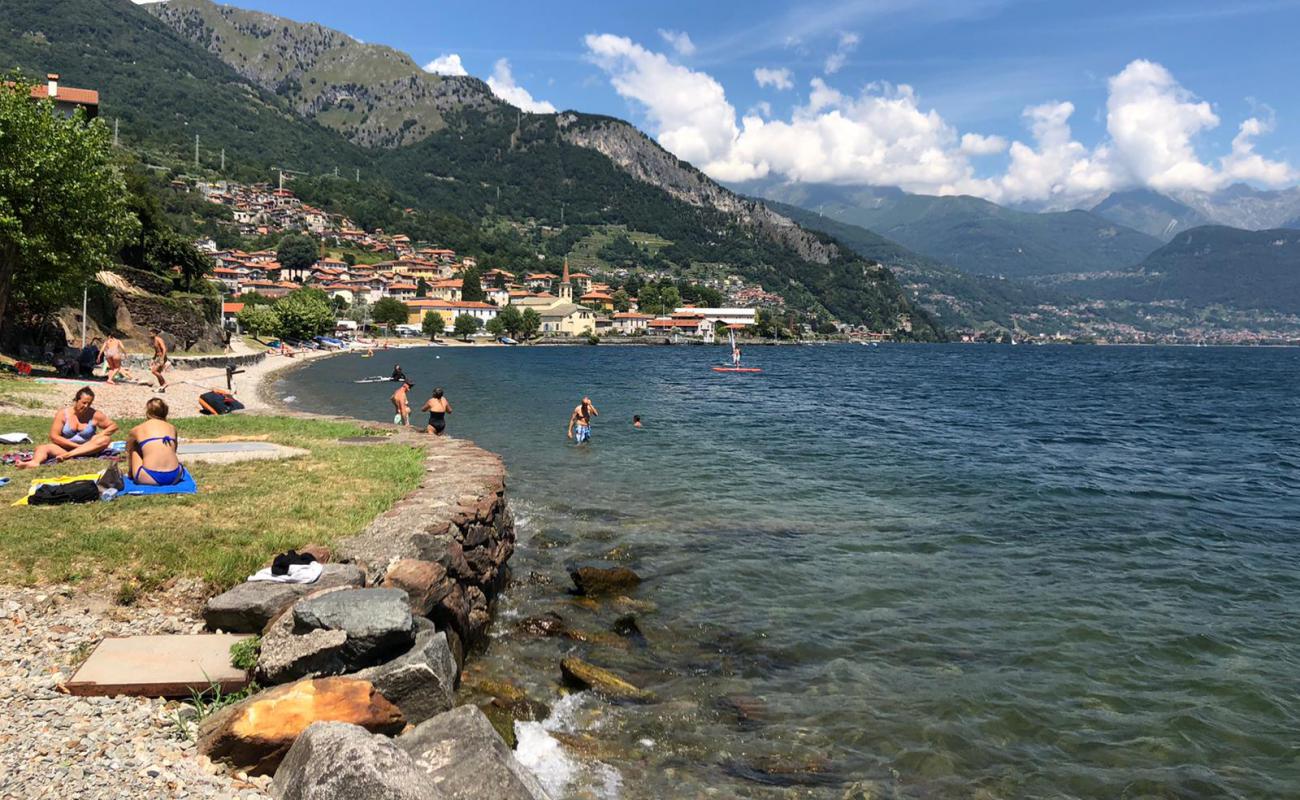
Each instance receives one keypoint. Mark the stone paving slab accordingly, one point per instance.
(159, 666)
(231, 452)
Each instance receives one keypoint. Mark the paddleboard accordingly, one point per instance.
(737, 369)
(375, 379)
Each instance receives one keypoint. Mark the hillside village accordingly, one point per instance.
(428, 278)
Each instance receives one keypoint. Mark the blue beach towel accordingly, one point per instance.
(186, 486)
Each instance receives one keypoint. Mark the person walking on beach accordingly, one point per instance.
(438, 408)
(402, 403)
(113, 353)
(580, 421)
(159, 362)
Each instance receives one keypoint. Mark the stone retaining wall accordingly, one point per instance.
(199, 362)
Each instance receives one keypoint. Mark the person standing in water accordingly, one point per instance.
(402, 403)
(159, 362)
(438, 408)
(580, 421)
(398, 375)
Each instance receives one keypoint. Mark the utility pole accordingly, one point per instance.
(223, 160)
(196, 151)
(358, 174)
(336, 171)
(281, 180)
(116, 120)
(561, 214)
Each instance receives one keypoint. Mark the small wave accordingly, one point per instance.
(544, 756)
(293, 398)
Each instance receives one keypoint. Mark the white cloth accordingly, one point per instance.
(298, 573)
(14, 438)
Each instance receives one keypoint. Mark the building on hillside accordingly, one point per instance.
(228, 313)
(449, 289)
(67, 99)
(449, 310)
(402, 290)
(540, 281)
(600, 301)
(498, 297)
(581, 281)
(560, 315)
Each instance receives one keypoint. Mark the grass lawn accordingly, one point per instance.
(243, 514)
(15, 391)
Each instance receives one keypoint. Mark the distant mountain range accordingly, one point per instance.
(973, 235)
(1237, 206)
(1209, 265)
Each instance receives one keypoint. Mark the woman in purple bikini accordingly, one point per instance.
(78, 430)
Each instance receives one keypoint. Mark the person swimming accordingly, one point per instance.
(79, 430)
(438, 409)
(398, 375)
(157, 465)
(580, 421)
(636, 421)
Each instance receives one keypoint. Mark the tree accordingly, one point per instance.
(648, 300)
(338, 305)
(432, 325)
(530, 322)
(669, 299)
(621, 301)
(495, 326)
(390, 311)
(421, 288)
(259, 320)
(466, 325)
(304, 313)
(349, 259)
(360, 310)
(511, 320)
(63, 209)
(297, 251)
(471, 288)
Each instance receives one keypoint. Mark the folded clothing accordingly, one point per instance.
(37, 483)
(57, 494)
(15, 438)
(281, 563)
(295, 573)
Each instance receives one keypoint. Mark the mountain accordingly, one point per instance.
(1243, 206)
(479, 172)
(373, 95)
(1150, 212)
(1212, 265)
(953, 297)
(973, 235)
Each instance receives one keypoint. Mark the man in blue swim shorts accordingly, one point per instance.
(580, 421)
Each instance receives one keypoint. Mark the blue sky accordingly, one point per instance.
(1194, 70)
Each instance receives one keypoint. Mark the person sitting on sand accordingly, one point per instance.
(151, 448)
(438, 408)
(113, 353)
(78, 430)
(402, 403)
(580, 421)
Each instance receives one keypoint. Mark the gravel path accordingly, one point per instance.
(53, 745)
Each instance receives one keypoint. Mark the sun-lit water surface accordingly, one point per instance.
(913, 571)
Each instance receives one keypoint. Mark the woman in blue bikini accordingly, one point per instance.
(151, 448)
(79, 430)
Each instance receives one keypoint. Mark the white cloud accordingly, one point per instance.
(503, 85)
(446, 64)
(974, 144)
(779, 78)
(883, 135)
(847, 44)
(679, 41)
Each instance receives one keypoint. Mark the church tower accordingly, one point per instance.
(566, 288)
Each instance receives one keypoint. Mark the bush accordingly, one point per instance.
(432, 324)
(304, 313)
(466, 325)
(390, 311)
(259, 320)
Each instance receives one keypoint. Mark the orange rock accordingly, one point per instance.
(254, 734)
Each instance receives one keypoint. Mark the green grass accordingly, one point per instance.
(17, 392)
(584, 256)
(243, 514)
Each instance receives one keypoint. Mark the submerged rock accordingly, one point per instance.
(595, 581)
(249, 606)
(334, 761)
(465, 759)
(548, 624)
(255, 734)
(626, 626)
(580, 674)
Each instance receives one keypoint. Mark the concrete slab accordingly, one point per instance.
(159, 666)
(231, 452)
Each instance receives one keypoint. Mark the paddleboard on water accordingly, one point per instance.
(737, 369)
(373, 379)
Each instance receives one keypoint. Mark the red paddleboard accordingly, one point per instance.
(737, 369)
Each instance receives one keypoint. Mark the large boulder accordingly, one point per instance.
(255, 734)
(425, 583)
(594, 581)
(466, 759)
(248, 607)
(422, 681)
(287, 656)
(336, 761)
(580, 674)
(378, 622)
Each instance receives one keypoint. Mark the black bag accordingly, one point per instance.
(57, 494)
